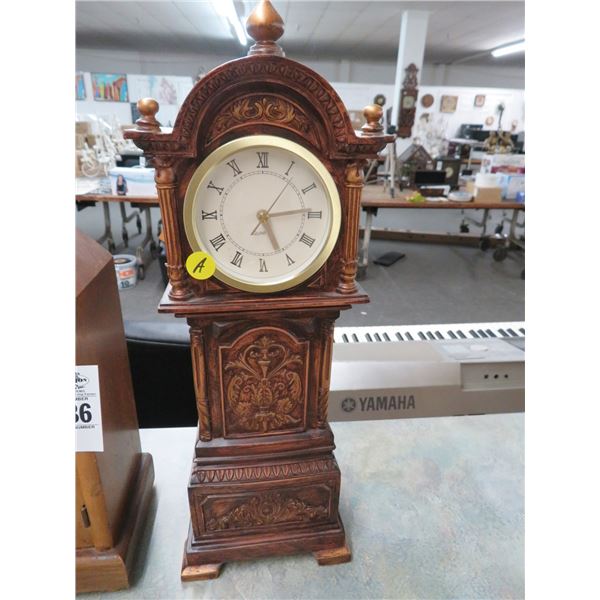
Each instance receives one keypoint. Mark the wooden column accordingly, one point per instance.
(165, 186)
(326, 328)
(199, 368)
(353, 189)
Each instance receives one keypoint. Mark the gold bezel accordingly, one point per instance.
(248, 142)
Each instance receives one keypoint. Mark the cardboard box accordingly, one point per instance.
(83, 127)
(488, 194)
(79, 141)
(78, 172)
(90, 138)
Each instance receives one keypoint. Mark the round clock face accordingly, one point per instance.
(266, 209)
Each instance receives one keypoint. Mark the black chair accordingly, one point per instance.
(161, 370)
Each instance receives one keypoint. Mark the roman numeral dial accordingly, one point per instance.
(266, 209)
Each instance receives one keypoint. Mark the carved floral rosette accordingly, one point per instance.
(264, 383)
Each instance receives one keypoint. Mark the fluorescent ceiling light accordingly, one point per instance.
(226, 10)
(510, 49)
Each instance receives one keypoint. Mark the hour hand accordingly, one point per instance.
(269, 229)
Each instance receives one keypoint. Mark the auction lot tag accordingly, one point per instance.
(200, 265)
(88, 416)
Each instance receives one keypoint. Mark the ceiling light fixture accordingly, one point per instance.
(226, 10)
(510, 49)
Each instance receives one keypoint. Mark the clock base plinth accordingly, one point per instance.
(255, 503)
(328, 548)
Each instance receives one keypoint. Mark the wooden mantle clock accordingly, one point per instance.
(263, 172)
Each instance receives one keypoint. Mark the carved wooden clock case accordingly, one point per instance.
(264, 480)
(408, 102)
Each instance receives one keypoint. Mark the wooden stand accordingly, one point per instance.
(114, 486)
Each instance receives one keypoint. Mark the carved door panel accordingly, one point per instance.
(264, 379)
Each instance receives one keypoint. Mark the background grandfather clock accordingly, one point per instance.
(263, 172)
(408, 102)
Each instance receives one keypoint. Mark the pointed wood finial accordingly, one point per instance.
(372, 114)
(148, 108)
(265, 27)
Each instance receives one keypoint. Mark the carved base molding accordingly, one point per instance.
(328, 546)
(247, 507)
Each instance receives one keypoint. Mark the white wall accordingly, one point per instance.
(355, 71)
(138, 88)
(357, 95)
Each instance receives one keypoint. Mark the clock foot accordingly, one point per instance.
(335, 556)
(201, 572)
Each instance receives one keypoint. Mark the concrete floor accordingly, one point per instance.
(432, 284)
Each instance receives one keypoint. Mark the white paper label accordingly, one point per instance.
(88, 416)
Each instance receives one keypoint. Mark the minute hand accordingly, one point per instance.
(272, 205)
(282, 213)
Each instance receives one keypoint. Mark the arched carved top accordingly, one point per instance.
(234, 80)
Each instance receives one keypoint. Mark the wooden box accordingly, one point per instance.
(113, 487)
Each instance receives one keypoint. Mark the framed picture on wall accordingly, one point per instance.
(135, 113)
(110, 88)
(448, 104)
(479, 100)
(79, 87)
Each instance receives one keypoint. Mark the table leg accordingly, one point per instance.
(107, 235)
(363, 263)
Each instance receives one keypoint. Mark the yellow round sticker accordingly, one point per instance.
(200, 265)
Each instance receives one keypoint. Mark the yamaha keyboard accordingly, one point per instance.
(391, 372)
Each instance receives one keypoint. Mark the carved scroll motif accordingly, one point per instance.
(267, 509)
(264, 385)
(270, 109)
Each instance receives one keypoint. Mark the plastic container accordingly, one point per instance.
(126, 270)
